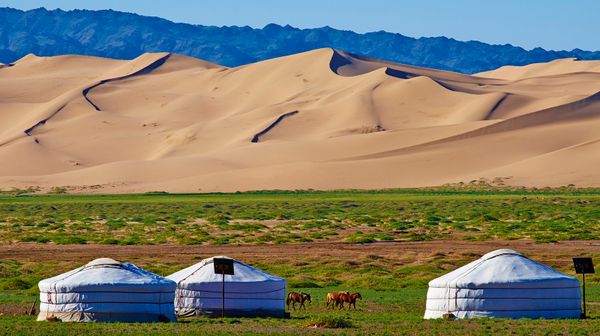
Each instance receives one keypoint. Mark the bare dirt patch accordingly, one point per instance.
(556, 254)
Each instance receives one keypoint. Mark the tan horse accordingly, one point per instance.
(349, 298)
(294, 297)
(333, 298)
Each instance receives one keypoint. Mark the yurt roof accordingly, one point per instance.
(204, 272)
(103, 261)
(502, 269)
(105, 274)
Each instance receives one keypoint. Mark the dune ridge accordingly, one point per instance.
(323, 119)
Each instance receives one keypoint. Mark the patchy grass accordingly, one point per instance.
(280, 218)
(330, 322)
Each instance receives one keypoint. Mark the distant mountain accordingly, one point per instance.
(114, 34)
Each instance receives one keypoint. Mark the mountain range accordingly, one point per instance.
(113, 34)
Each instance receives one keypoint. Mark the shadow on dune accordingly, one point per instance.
(257, 136)
(147, 69)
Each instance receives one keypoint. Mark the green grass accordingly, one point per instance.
(292, 217)
(381, 312)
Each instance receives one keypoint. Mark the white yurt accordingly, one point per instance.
(504, 284)
(106, 290)
(248, 292)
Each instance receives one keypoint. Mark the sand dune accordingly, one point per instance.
(323, 119)
(553, 68)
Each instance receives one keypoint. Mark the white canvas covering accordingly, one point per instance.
(249, 292)
(504, 284)
(107, 290)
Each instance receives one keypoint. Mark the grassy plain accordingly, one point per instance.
(385, 244)
(288, 217)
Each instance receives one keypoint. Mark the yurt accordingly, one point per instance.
(504, 284)
(248, 292)
(106, 290)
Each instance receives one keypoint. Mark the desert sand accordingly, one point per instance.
(323, 119)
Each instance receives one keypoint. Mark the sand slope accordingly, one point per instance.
(322, 119)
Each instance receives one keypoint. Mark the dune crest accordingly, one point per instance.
(322, 119)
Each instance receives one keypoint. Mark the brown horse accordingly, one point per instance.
(333, 298)
(349, 298)
(294, 297)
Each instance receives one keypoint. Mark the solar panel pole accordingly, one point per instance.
(223, 266)
(223, 293)
(584, 308)
(583, 266)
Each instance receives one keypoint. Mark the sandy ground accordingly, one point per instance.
(289, 252)
(322, 119)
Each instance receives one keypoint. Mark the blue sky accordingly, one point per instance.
(551, 24)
